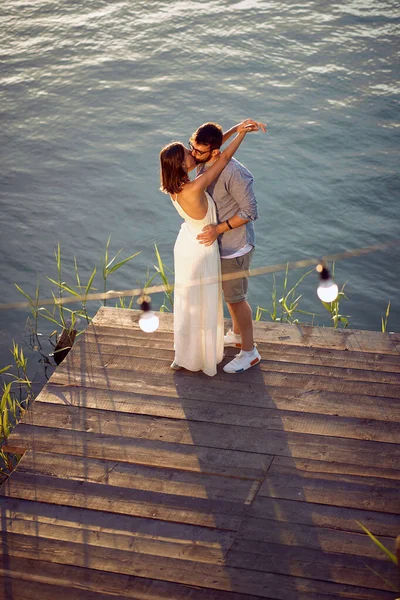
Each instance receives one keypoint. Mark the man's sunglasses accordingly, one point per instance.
(198, 152)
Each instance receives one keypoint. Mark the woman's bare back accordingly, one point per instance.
(193, 201)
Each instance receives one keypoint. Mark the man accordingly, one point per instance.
(236, 205)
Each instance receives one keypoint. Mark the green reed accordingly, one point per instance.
(16, 394)
(390, 555)
(161, 270)
(384, 320)
(110, 266)
(286, 309)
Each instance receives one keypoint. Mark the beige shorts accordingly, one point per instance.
(235, 290)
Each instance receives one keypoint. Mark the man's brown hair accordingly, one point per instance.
(209, 134)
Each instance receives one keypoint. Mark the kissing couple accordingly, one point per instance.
(217, 238)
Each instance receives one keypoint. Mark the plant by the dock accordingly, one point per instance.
(65, 319)
(392, 557)
(16, 394)
(110, 266)
(286, 309)
(384, 320)
(161, 270)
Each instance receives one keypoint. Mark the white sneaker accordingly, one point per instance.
(243, 361)
(233, 339)
(175, 366)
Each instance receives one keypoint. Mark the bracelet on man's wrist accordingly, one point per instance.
(229, 225)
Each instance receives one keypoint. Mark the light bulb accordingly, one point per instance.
(327, 290)
(149, 321)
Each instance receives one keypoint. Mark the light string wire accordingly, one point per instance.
(299, 264)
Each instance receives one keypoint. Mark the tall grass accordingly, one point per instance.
(161, 270)
(16, 394)
(110, 266)
(384, 320)
(62, 317)
(287, 308)
(390, 555)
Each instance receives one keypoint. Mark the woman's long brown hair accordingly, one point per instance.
(172, 173)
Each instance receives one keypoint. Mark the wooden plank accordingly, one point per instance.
(12, 588)
(361, 373)
(324, 515)
(203, 575)
(318, 466)
(245, 439)
(314, 538)
(150, 478)
(254, 556)
(66, 467)
(204, 441)
(79, 583)
(313, 564)
(92, 356)
(327, 337)
(300, 335)
(145, 452)
(83, 373)
(120, 530)
(327, 357)
(219, 514)
(124, 340)
(153, 391)
(146, 537)
(232, 463)
(134, 337)
(208, 412)
(127, 319)
(172, 546)
(323, 483)
(110, 340)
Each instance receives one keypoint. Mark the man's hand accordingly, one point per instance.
(208, 235)
(250, 125)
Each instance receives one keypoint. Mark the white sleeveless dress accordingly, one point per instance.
(198, 310)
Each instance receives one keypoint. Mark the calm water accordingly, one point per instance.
(90, 92)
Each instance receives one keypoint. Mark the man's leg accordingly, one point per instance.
(235, 292)
(235, 325)
(242, 322)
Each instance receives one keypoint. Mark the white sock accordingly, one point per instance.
(247, 352)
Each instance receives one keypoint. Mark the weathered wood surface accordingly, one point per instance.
(141, 483)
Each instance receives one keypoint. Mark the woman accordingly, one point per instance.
(198, 310)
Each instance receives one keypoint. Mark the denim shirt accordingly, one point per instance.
(233, 194)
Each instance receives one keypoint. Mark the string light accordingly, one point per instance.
(265, 270)
(327, 289)
(148, 321)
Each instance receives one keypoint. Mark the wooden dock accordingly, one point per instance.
(142, 483)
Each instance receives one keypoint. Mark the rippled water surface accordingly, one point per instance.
(91, 91)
